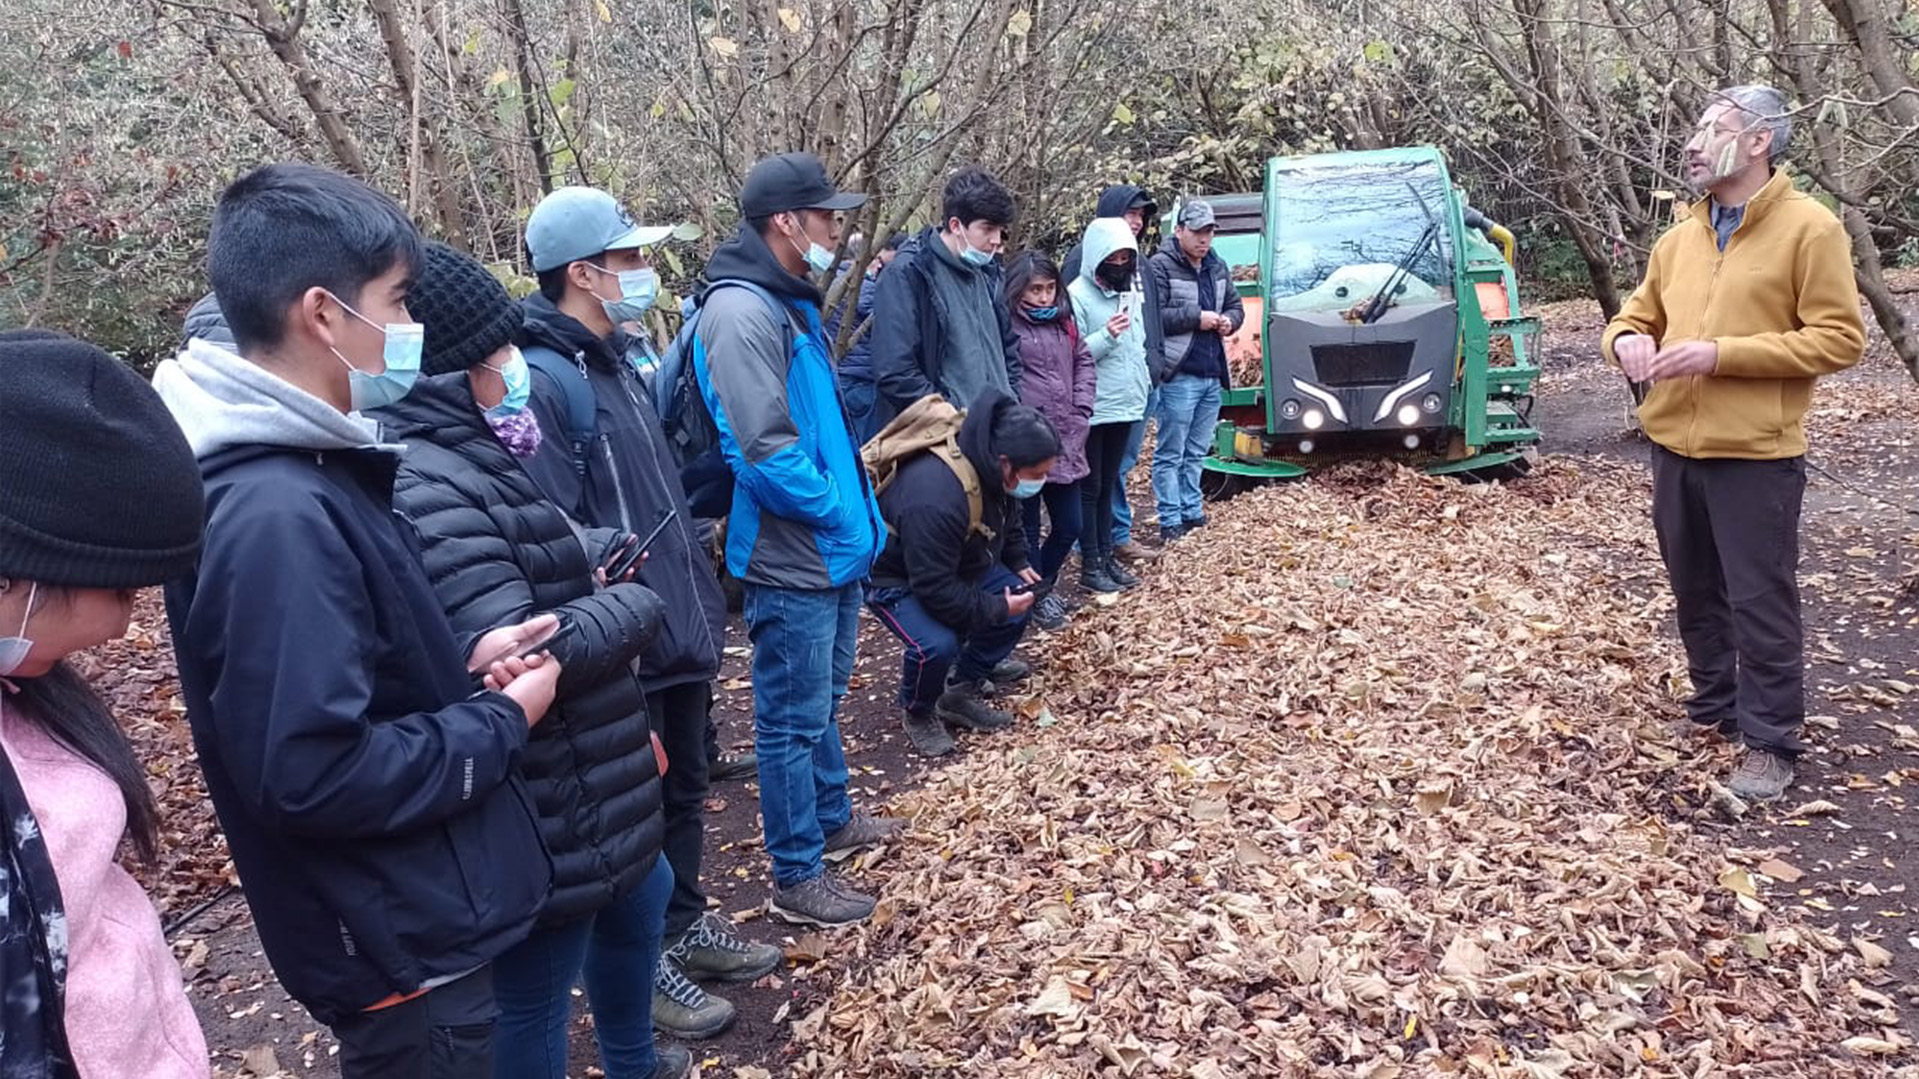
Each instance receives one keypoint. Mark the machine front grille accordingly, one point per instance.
(1381, 363)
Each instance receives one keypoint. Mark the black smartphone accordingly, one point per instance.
(1024, 587)
(619, 570)
(545, 643)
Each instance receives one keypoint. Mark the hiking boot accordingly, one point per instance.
(1193, 524)
(1125, 578)
(928, 736)
(1094, 578)
(963, 706)
(734, 766)
(1050, 612)
(1169, 535)
(1011, 670)
(821, 901)
(710, 949)
(861, 832)
(1762, 775)
(1134, 551)
(671, 1062)
(683, 1009)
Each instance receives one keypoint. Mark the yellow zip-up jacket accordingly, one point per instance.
(1780, 301)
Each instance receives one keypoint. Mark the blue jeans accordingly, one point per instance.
(803, 643)
(617, 949)
(1122, 509)
(1188, 412)
(1063, 507)
(932, 646)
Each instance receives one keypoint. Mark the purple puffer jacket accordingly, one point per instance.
(1059, 380)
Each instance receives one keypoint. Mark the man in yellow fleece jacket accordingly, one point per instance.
(1744, 304)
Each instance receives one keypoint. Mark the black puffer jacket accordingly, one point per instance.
(930, 550)
(498, 553)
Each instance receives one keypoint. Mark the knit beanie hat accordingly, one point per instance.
(101, 490)
(467, 314)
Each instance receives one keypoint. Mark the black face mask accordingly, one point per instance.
(1117, 278)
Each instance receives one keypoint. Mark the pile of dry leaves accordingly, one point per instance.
(1371, 780)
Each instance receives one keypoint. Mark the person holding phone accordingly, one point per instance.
(958, 593)
(499, 552)
(1106, 302)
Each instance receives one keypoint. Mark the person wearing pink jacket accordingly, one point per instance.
(102, 497)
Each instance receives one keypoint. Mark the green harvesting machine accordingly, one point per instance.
(1382, 319)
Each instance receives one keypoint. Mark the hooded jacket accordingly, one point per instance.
(1178, 283)
(932, 551)
(1061, 381)
(911, 325)
(1124, 380)
(1113, 202)
(1780, 301)
(499, 553)
(803, 513)
(369, 793)
(632, 482)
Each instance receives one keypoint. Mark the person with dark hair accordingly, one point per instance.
(804, 526)
(497, 551)
(1136, 207)
(956, 591)
(857, 387)
(610, 464)
(940, 324)
(1106, 301)
(359, 753)
(92, 988)
(1200, 310)
(1062, 382)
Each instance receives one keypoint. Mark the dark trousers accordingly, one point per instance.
(1105, 452)
(933, 647)
(446, 1033)
(1065, 510)
(1729, 534)
(679, 715)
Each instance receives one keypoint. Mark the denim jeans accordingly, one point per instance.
(1122, 509)
(932, 646)
(803, 643)
(1063, 509)
(617, 950)
(1188, 412)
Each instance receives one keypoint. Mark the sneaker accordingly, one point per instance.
(963, 706)
(1762, 775)
(734, 766)
(859, 833)
(928, 736)
(1134, 551)
(671, 1062)
(710, 949)
(1011, 670)
(821, 901)
(1125, 578)
(1094, 579)
(1050, 612)
(1169, 535)
(683, 1009)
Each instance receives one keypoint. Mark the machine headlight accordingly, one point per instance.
(1411, 442)
(1431, 402)
(1305, 445)
(1407, 415)
(1289, 409)
(1314, 419)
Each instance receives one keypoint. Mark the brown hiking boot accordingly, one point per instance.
(1135, 551)
(1762, 775)
(821, 901)
(928, 735)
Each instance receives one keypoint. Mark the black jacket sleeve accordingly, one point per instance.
(897, 348)
(1013, 554)
(289, 654)
(1009, 341)
(932, 536)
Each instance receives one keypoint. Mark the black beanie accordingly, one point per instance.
(467, 314)
(99, 489)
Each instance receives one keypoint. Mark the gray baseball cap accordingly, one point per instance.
(575, 223)
(1196, 215)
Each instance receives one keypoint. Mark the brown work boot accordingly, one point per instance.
(1135, 551)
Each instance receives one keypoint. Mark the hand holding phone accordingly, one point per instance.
(622, 567)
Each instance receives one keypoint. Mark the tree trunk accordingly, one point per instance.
(283, 37)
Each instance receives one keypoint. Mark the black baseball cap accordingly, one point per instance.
(792, 182)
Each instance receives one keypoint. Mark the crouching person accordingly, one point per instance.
(953, 583)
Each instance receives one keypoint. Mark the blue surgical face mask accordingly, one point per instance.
(13, 650)
(1043, 314)
(405, 341)
(816, 256)
(973, 256)
(1027, 488)
(519, 386)
(638, 289)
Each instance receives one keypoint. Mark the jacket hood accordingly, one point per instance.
(205, 319)
(546, 326)
(438, 410)
(976, 438)
(1115, 199)
(1105, 235)
(222, 401)
(746, 257)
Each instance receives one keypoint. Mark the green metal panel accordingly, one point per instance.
(1475, 463)
(1278, 470)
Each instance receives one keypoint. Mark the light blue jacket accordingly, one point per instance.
(1124, 379)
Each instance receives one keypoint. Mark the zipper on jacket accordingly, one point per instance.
(689, 539)
(619, 488)
(1705, 316)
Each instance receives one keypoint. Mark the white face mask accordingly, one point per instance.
(13, 650)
